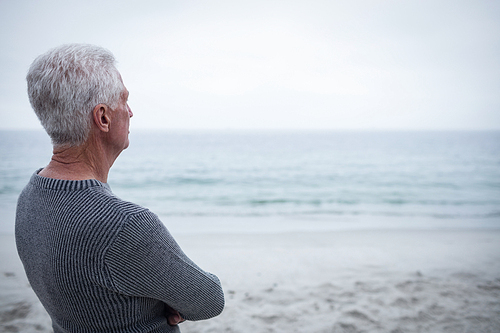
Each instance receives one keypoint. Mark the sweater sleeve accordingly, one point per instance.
(145, 261)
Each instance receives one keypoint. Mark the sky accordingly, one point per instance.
(341, 65)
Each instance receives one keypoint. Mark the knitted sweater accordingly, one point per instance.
(101, 264)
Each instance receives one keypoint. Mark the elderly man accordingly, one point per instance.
(98, 263)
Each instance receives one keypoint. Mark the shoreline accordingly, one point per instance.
(320, 224)
(334, 281)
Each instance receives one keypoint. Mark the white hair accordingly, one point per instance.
(64, 86)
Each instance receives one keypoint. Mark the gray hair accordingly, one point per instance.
(64, 86)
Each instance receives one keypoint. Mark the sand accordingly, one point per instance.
(337, 281)
(20, 310)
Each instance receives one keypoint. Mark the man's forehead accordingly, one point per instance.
(125, 93)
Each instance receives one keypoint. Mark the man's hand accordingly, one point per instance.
(173, 316)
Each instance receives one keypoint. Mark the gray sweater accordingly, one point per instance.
(101, 264)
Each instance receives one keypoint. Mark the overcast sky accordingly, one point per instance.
(274, 64)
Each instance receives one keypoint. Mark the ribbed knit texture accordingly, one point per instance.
(101, 264)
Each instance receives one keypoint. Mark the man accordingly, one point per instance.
(98, 263)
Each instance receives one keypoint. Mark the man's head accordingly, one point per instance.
(64, 86)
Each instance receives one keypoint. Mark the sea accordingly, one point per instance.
(286, 181)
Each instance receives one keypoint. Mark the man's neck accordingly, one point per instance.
(88, 161)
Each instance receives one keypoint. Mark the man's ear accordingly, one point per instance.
(102, 117)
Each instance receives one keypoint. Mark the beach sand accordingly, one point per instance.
(338, 281)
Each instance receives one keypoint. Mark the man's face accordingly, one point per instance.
(121, 121)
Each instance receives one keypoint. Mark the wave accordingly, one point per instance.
(335, 213)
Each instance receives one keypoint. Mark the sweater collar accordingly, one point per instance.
(65, 185)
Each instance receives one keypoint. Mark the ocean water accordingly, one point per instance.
(286, 180)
